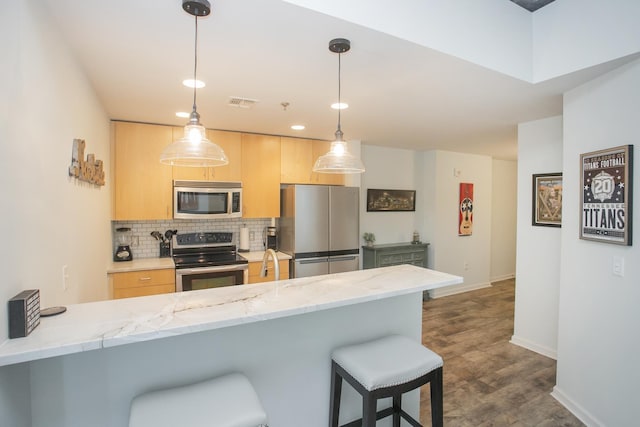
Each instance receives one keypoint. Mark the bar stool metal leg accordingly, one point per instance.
(437, 410)
(369, 410)
(336, 394)
(397, 406)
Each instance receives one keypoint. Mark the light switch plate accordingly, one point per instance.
(618, 266)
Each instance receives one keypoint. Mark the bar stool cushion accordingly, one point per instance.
(227, 401)
(387, 361)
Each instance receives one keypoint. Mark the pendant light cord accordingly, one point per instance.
(339, 89)
(195, 64)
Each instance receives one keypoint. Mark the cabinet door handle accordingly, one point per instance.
(144, 279)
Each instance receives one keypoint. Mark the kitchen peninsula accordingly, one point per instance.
(86, 365)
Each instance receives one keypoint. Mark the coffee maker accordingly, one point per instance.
(270, 239)
(123, 242)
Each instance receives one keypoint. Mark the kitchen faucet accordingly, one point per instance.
(265, 259)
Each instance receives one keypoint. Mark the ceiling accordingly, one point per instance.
(136, 54)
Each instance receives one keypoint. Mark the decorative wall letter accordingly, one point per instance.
(89, 170)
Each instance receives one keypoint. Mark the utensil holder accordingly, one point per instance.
(165, 249)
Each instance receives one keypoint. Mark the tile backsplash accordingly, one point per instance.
(146, 246)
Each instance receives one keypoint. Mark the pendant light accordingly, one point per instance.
(194, 149)
(339, 159)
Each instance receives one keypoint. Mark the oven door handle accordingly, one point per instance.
(213, 269)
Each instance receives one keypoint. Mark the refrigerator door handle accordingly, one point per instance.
(343, 258)
(312, 260)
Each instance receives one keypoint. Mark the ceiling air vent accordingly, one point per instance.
(236, 101)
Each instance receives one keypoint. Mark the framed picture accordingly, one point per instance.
(391, 200)
(606, 178)
(465, 214)
(547, 199)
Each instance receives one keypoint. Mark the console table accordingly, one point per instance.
(394, 254)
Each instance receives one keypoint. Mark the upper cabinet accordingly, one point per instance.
(230, 142)
(142, 185)
(297, 159)
(260, 176)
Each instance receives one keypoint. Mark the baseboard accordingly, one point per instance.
(530, 345)
(503, 277)
(456, 289)
(577, 410)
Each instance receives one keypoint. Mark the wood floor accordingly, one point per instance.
(487, 380)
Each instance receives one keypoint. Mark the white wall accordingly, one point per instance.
(436, 216)
(571, 35)
(598, 345)
(450, 252)
(503, 219)
(393, 169)
(538, 248)
(51, 220)
(558, 39)
(502, 31)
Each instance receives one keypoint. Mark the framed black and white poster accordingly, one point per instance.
(547, 199)
(607, 180)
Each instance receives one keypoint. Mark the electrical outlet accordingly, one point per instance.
(65, 277)
(252, 235)
(466, 265)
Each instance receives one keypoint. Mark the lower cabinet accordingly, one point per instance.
(394, 254)
(254, 271)
(142, 283)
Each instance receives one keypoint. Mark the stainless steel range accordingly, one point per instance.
(207, 260)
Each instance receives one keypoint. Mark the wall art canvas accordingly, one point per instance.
(607, 195)
(547, 199)
(391, 200)
(465, 217)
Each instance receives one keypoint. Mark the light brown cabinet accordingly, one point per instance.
(260, 176)
(142, 185)
(230, 142)
(254, 271)
(142, 283)
(297, 157)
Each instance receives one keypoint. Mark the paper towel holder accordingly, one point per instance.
(244, 239)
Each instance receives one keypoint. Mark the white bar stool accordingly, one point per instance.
(227, 401)
(386, 367)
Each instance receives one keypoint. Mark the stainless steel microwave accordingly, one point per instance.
(207, 200)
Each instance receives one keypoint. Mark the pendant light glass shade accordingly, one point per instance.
(194, 149)
(339, 159)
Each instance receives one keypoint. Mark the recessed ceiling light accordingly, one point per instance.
(182, 114)
(190, 83)
(297, 127)
(340, 106)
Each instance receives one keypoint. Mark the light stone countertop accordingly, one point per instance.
(140, 264)
(103, 324)
(162, 263)
(256, 256)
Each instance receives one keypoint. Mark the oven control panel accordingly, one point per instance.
(203, 238)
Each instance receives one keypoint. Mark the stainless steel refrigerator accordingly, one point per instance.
(319, 228)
